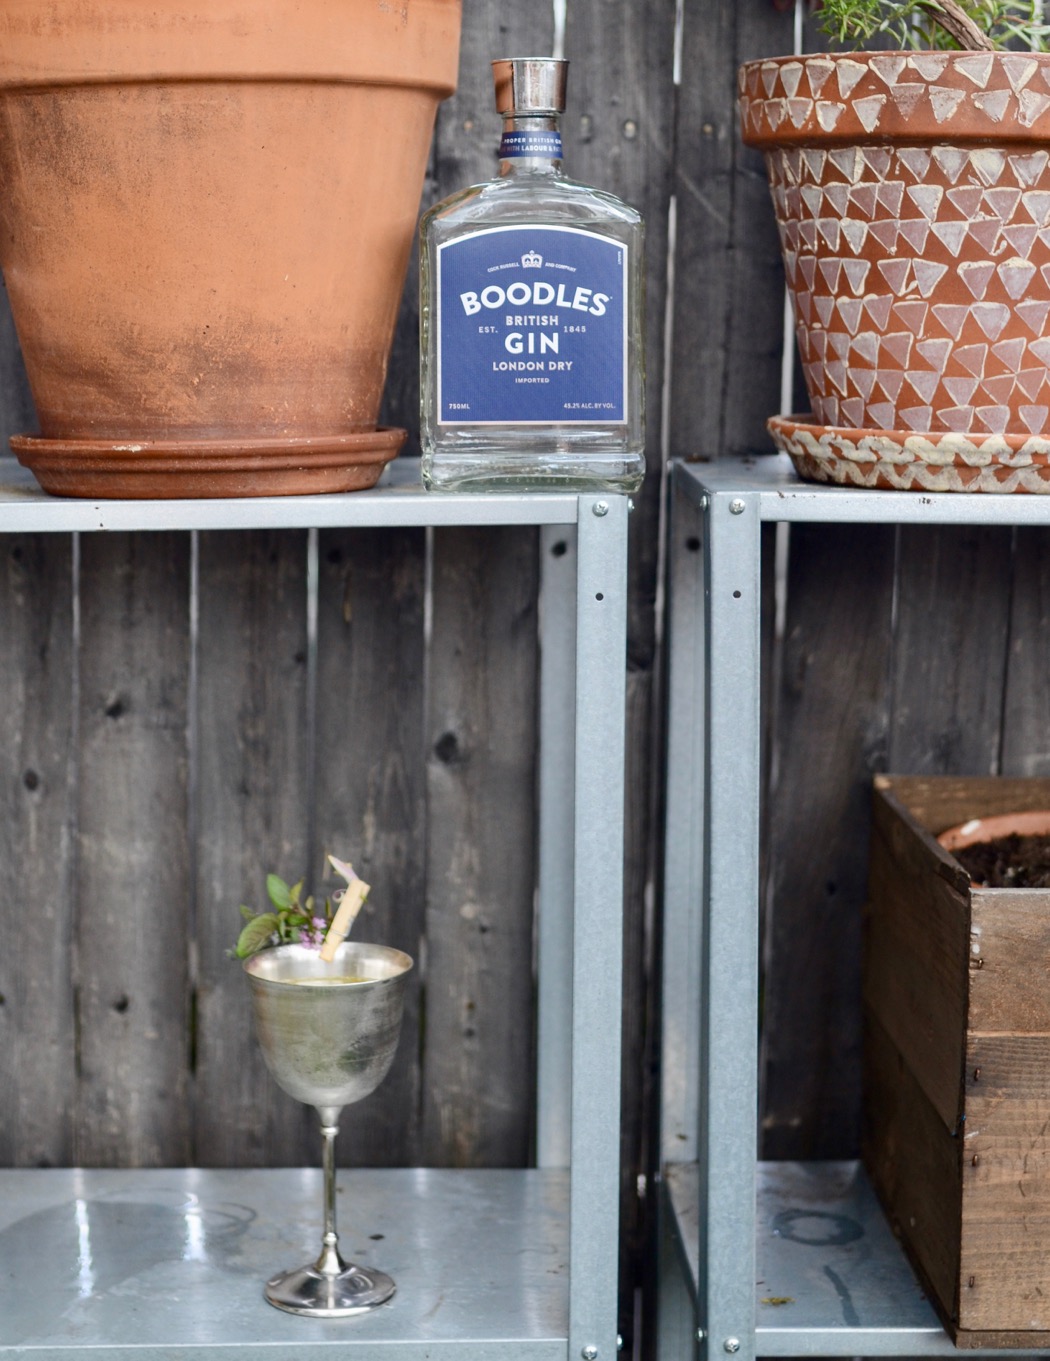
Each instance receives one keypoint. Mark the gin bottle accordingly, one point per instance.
(531, 315)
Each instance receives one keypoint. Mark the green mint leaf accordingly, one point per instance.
(278, 891)
(256, 934)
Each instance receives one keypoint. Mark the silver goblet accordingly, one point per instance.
(328, 1032)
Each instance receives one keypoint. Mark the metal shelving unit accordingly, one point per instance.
(169, 1264)
(767, 1259)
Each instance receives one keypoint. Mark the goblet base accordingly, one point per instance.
(306, 1290)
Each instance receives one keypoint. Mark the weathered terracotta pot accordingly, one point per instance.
(912, 193)
(207, 213)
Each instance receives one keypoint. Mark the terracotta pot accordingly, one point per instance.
(207, 215)
(912, 193)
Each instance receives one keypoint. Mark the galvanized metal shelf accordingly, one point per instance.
(170, 1264)
(488, 1264)
(860, 1298)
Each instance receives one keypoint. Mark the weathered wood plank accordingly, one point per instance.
(477, 1080)
(1006, 1175)
(369, 786)
(916, 961)
(133, 883)
(37, 1049)
(953, 611)
(252, 801)
(1026, 702)
(832, 723)
(729, 284)
(943, 801)
(17, 414)
(1008, 958)
(477, 1068)
(914, 1163)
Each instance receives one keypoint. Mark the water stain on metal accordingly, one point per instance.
(849, 1314)
(817, 1228)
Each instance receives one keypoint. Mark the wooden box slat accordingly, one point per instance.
(957, 1061)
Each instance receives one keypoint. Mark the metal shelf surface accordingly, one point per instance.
(397, 500)
(778, 493)
(831, 1280)
(715, 1188)
(170, 1265)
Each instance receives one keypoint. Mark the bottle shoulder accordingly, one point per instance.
(521, 199)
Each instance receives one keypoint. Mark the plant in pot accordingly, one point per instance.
(912, 193)
(207, 215)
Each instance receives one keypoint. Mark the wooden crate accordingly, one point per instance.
(957, 1061)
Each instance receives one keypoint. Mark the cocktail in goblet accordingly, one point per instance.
(328, 1031)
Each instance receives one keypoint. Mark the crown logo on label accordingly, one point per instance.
(531, 260)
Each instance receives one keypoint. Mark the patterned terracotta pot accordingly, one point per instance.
(207, 213)
(912, 194)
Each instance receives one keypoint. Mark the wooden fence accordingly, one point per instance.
(173, 724)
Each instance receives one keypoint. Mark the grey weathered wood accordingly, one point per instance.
(953, 614)
(17, 415)
(1026, 701)
(477, 1067)
(833, 717)
(37, 1075)
(729, 287)
(133, 890)
(369, 786)
(252, 816)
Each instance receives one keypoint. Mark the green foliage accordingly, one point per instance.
(913, 23)
(293, 919)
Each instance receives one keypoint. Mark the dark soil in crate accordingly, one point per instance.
(1008, 862)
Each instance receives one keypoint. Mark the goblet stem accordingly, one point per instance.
(329, 1263)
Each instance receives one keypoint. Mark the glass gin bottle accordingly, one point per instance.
(531, 314)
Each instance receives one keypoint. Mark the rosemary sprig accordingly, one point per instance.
(946, 24)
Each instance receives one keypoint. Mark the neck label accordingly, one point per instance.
(532, 327)
(519, 142)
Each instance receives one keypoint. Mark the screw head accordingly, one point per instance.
(736, 506)
(731, 1344)
(600, 508)
(701, 1334)
(590, 1352)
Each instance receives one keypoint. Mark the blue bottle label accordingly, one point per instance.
(532, 327)
(522, 142)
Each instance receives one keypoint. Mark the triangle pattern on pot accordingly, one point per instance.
(921, 274)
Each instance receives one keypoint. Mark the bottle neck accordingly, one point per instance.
(531, 144)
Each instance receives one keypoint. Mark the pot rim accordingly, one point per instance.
(118, 42)
(889, 97)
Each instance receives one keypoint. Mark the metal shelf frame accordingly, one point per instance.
(716, 1239)
(581, 782)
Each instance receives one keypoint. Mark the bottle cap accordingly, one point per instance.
(530, 85)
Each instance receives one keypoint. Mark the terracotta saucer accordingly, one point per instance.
(989, 829)
(191, 469)
(901, 460)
